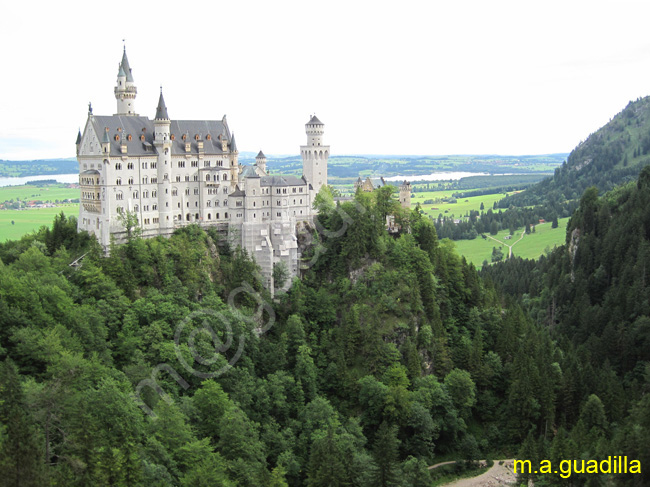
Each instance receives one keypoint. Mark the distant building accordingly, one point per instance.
(370, 184)
(172, 173)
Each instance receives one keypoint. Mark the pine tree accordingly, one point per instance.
(385, 456)
(21, 457)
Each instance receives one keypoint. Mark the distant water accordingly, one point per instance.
(60, 178)
(437, 176)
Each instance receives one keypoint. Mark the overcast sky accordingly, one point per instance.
(406, 77)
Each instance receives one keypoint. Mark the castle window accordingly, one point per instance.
(300, 189)
(225, 190)
(136, 208)
(225, 202)
(119, 196)
(144, 165)
(187, 177)
(208, 203)
(129, 165)
(130, 180)
(154, 180)
(207, 177)
(225, 177)
(196, 190)
(135, 195)
(154, 193)
(209, 216)
(187, 191)
(181, 163)
(118, 182)
(206, 163)
(196, 216)
(195, 163)
(173, 137)
(217, 216)
(145, 194)
(118, 166)
(196, 177)
(145, 180)
(128, 137)
(117, 137)
(154, 207)
(225, 215)
(187, 217)
(174, 192)
(156, 219)
(178, 179)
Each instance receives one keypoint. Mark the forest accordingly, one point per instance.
(167, 363)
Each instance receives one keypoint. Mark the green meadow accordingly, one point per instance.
(47, 193)
(458, 209)
(531, 246)
(29, 220)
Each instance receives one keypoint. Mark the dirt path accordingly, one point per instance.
(509, 246)
(498, 475)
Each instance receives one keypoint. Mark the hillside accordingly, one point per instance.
(36, 167)
(612, 155)
(388, 353)
(594, 294)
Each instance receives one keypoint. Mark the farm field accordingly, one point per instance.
(44, 193)
(531, 246)
(458, 209)
(29, 220)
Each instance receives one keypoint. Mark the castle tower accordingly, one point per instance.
(163, 143)
(125, 90)
(260, 164)
(315, 155)
(405, 195)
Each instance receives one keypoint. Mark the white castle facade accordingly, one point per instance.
(172, 173)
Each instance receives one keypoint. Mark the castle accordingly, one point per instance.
(172, 173)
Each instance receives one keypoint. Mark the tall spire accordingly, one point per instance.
(124, 65)
(233, 144)
(161, 111)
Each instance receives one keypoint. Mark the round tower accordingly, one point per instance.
(163, 143)
(125, 90)
(315, 155)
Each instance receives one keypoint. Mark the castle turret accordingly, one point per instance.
(260, 164)
(405, 195)
(125, 90)
(163, 143)
(315, 155)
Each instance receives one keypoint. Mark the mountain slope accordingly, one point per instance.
(614, 154)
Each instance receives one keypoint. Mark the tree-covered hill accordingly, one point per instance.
(612, 155)
(389, 352)
(594, 294)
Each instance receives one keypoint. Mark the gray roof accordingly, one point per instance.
(260, 154)
(279, 180)
(237, 193)
(161, 111)
(314, 121)
(233, 145)
(125, 66)
(248, 171)
(79, 137)
(137, 126)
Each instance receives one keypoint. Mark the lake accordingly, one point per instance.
(60, 178)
